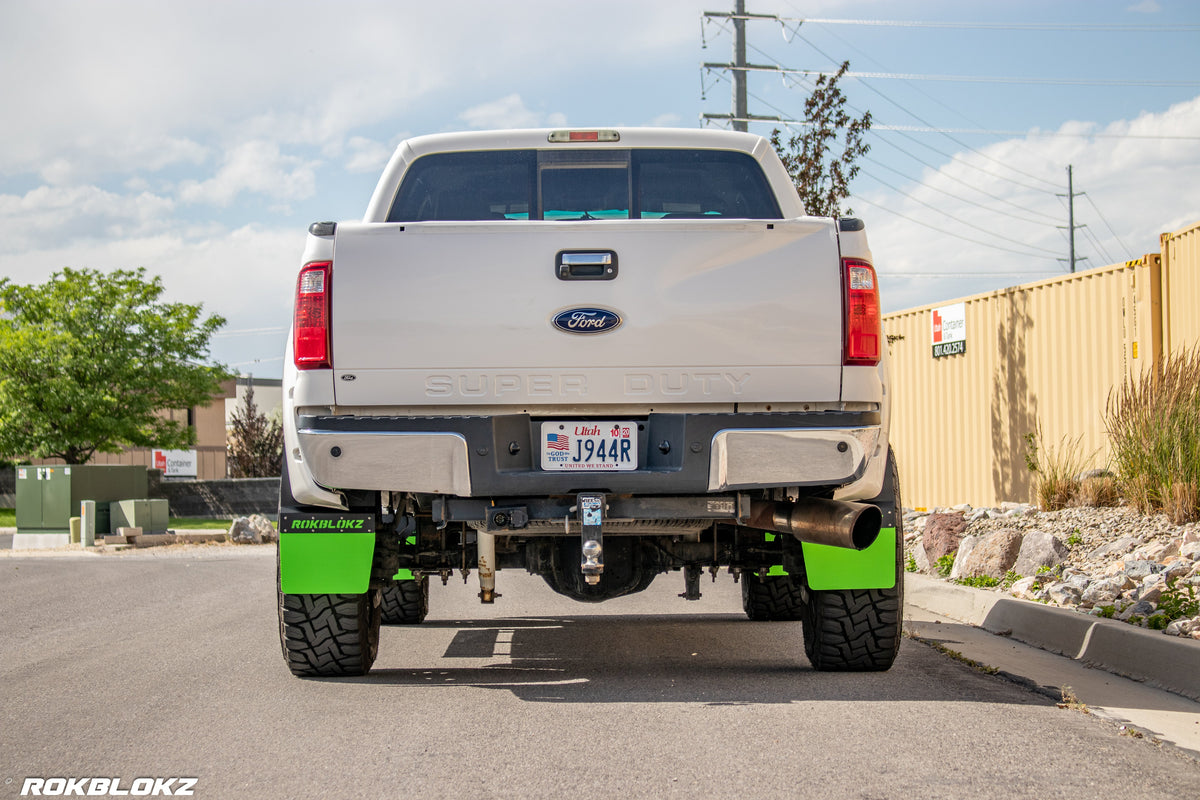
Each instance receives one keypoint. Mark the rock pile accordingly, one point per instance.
(255, 529)
(1111, 562)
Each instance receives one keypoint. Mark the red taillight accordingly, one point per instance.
(863, 330)
(310, 329)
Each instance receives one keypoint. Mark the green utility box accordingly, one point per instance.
(149, 515)
(47, 497)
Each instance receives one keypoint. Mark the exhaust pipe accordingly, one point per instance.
(818, 521)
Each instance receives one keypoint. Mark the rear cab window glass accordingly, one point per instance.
(584, 185)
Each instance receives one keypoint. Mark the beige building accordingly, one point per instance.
(209, 423)
(973, 377)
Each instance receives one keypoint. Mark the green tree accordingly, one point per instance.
(255, 441)
(88, 360)
(821, 175)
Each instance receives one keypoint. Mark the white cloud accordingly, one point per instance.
(1141, 186)
(367, 155)
(126, 85)
(52, 214)
(1145, 7)
(257, 167)
(509, 112)
(665, 121)
(247, 275)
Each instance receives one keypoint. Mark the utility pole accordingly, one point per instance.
(740, 109)
(1071, 226)
(739, 116)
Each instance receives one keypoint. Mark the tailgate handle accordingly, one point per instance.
(585, 265)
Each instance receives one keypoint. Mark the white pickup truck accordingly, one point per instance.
(599, 356)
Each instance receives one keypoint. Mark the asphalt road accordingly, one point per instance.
(153, 664)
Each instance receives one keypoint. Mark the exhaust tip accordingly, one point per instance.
(866, 527)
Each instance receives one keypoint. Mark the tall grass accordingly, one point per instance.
(1154, 424)
(1058, 469)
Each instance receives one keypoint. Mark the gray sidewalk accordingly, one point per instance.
(1133, 677)
(1168, 662)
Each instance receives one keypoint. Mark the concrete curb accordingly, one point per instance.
(1168, 662)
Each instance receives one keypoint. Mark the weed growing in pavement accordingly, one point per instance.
(910, 564)
(1069, 700)
(1153, 422)
(957, 656)
(944, 565)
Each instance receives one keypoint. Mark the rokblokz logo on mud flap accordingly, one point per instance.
(108, 787)
(328, 524)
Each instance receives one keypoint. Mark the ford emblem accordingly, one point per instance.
(587, 320)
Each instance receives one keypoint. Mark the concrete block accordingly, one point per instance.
(948, 599)
(1055, 629)
(154, 539)
(1169, 662)
(40, 541)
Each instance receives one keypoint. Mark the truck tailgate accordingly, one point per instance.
(462, 313)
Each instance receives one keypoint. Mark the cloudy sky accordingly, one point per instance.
(199, 139)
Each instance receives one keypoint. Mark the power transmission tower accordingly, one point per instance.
(740, 114)
(1071, 226)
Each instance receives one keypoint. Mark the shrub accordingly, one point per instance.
(1057, 468)
(1098, 492)
(980, 581)
(1154, 425)
(1177, 602)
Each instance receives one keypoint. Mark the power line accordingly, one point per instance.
(908, 76)
(247, 332)
(1091, 237)
(959, 142)
(953, 196)
(956, 179)
(1128, 252)
(951, 157)
(950, 233)
(917, 200)
(985, 26)
(1000, 26)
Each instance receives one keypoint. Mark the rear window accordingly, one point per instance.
(584, 185)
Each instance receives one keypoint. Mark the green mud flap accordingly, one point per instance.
(842, 568)
(326, 553)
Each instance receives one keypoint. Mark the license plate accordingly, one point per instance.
(589, 446)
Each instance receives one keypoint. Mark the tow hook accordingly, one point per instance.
(591, 520)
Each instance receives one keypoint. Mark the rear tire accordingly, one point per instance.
(772, 598)
(329, 635)
(858, 630)
(405, 602)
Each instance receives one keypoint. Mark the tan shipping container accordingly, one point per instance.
(1042, 355)
(1181, 288)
